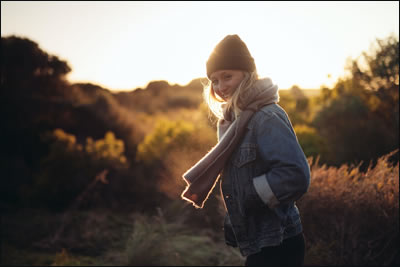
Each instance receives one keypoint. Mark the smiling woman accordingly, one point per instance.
(260, 165)
(224, 81)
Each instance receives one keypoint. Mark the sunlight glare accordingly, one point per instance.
(125, 45)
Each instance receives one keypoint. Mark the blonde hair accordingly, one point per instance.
(235, 101)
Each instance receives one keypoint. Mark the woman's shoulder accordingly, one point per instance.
(268, 112)
(274, 107)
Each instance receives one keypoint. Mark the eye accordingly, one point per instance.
(228, 76)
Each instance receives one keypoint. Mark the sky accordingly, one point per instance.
(124, 45)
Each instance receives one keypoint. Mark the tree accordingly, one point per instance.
(381, 66)
(26, 69)
(379, 77)
(360, 120)
(29, 77)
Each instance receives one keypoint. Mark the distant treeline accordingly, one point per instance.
(57, 136)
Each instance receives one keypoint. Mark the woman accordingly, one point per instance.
(258, 159)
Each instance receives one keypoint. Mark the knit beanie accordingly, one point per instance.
(230, 53)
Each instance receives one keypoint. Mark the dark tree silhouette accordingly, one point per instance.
(27, 69)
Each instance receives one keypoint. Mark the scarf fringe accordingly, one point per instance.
(193, 198)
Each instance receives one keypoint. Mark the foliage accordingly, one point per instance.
(165, 136)
(107, 149)
(26, 69)
(335, 209)
(360, 117)
(301, 110)
(333, 212)
(349, 138)
(312, 144)
(68, 168)
(380, 84)
(382, 70)
(177, 140)
(163, 97)
(57, 139)
(300, 106)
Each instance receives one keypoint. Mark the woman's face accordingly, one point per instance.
(224, 82)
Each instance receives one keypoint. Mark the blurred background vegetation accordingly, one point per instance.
(93, 177)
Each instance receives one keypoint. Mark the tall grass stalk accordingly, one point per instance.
(352, 217)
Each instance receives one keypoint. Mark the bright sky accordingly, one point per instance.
(125, 45)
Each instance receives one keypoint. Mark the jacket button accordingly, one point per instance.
(226, 196)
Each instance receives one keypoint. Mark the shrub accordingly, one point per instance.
(109, 149)
(68, 168)
(178, 139)
(352, 217)
(166, 135)
(310, 141)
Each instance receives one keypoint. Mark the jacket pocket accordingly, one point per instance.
(246, 154)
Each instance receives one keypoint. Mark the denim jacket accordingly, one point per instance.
(263, 178)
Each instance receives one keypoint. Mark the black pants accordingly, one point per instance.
(289, 253)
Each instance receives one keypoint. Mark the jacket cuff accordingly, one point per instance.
(264, 191)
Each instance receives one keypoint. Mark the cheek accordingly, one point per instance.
(235, 83)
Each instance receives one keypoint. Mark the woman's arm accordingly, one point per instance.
(288, 177)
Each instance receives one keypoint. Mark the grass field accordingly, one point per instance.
(349, 218)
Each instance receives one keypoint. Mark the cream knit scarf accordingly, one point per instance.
(202, 177)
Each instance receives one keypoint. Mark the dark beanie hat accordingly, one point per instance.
(231, 53)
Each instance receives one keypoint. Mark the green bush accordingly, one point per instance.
(109, 149)
(68, 168)
(312, 144)
(165, 136)
(175, 143)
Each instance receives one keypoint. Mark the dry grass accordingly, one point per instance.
(352, 217)
(349, 218)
